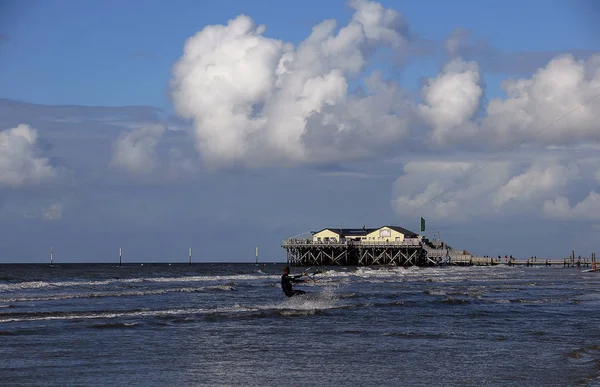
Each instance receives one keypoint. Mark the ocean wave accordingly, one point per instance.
(116, 325)
(84, 315)
(87, 283)
(365, 274)
(433, 292)
(309, 304)
(417, 335)
(128, 293)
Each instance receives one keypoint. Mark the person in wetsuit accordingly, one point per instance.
(287, 280)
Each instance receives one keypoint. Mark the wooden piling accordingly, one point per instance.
(354, 253)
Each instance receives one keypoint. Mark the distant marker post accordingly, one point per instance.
(120, 256)
(190, 256)
(257, 254)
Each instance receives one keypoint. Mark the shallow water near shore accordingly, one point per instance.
(229, 324)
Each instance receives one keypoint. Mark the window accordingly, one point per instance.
(384, 233)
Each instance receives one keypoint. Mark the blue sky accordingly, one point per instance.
(159, 183)
(118, 53)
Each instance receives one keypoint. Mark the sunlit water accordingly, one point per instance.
(220, 324)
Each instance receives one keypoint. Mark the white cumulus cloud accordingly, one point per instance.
(256, 100)
(561, 209)
(21, 162)
(537, 181)
(259, 101)
(450, 101)
(448, 189)
(480, 189)
(135, 151)
(532, 104)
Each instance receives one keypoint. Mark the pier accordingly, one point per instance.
(397, 246)
(350, 253)
(386, 245)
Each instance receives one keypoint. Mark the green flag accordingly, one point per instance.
(422, 224)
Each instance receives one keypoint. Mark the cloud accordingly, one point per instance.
(54, 212)
(35, 204)
(439, 189)
(550, 108)
(480, 189)
(180, 166)
(152, 153)
(135, 151)
(560, 208)
(450, 100)
(256, 100)
(456, 41)
(21, 163)
(533, 104)
(92, 143)
(537, 181)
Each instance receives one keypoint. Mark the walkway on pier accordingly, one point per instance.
(465, 260)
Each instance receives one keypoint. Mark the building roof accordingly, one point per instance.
(354, 232)
(402, 230)
(347, 231)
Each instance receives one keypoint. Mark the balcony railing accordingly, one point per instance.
(349, 242)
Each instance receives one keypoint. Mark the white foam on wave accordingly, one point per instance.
(323, 300)
(200, 278)
(128, 293)
(44, 284)
(434, 292)
(236, 308)
(310, 302)
(364, 272)
(218, 287)
(100, 315)
(370, 274)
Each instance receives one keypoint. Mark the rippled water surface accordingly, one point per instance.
(220, 324)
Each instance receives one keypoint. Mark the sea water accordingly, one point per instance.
(230, 324)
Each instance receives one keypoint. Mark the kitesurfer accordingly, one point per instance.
(286, 282)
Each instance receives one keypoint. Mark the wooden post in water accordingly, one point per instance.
(190, 256)
(120, 256)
